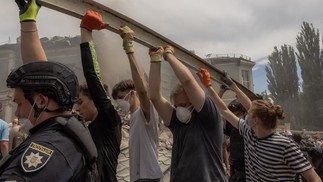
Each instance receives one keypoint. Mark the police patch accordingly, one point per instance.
(35, 157)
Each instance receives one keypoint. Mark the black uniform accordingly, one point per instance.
(106, 128)
(237, 161)
(48, 154)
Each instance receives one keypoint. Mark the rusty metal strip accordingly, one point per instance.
(144, 35)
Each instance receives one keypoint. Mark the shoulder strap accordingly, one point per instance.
(79, 131)
(81, 134)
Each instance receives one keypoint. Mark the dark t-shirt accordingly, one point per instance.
(236, 142)
(197, 146)
(106, 128)
(107, 140)
(47, 154)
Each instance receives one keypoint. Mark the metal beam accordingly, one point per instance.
(144, 35)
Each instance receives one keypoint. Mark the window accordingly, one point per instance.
(245, 78)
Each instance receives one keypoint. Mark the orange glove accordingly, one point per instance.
(156, 54)
(205, 77)
(93, 21)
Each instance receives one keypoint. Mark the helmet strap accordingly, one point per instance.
(36, 108)
(31, 100)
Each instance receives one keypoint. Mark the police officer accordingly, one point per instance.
(59, 147)
(236, 144)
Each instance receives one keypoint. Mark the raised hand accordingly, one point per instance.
(204, 76)
(93, 21)
(128, 36)
(156, 54)
(227, 79)
(28, 10)
(168, 50)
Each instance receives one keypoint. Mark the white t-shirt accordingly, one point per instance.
(143, 142)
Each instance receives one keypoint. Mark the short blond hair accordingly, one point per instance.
(178, 89)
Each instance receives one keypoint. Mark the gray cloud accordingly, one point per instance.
(249, 27)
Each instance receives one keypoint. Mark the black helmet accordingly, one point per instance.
(297, 137)
(236, 106)
(52, 79)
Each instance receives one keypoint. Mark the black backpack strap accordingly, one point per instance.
(79, 132)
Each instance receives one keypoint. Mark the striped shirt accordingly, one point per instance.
(273, 158)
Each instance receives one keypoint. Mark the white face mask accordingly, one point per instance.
(183, 114)
(123, 104)
(25, 125)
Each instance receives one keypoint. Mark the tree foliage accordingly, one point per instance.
(308, 46)
(311, 65)
(283, 80)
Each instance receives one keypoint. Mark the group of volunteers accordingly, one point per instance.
(61, 146)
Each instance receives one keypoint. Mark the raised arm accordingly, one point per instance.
(243, 98)
(163, 107)
(204, 76)
(194, 92)
(223, 89)
(31, 48)
(91, 69)
(92, 21)
(137, 73)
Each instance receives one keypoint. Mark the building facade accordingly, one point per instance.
(61, 49)
(238, 66)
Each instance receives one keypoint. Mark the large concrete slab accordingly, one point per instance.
(144, 35)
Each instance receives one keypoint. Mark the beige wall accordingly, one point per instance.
(233, 66)
(7, 63)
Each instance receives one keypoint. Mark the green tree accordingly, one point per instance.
(311, 65)
(282, 81)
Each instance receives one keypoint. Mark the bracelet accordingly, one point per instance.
(34, 30)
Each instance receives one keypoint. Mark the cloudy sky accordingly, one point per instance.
(248, 27)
